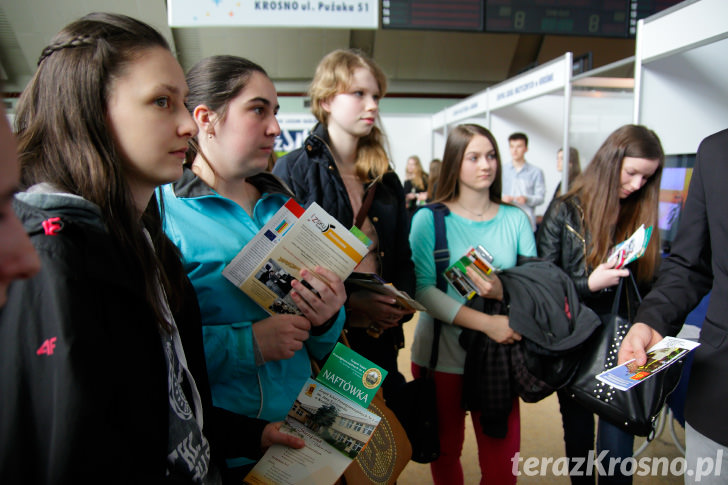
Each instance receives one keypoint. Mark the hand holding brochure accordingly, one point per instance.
(330, 415)
(372, 282)
(480, 260)
(666, 352)
(294, 239)
(630, 249)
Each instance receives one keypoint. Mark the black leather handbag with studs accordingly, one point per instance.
(637, 409)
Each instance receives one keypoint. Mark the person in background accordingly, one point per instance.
(617, 192)
(341, 165)
(695, 266)
(257, 363)
(18, 259)
(574, 167)
(469, 185)
(523, 183)
(101, 388)
(415, 184)
(434, 175)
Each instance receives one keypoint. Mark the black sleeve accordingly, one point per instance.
(686, 275)
(554, 239)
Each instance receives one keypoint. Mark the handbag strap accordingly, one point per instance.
(441, 253)
(365, 205)
(631, 284)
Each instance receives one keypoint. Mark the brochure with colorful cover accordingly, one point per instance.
(293, 239)
(373, 282)
(330, 415)
(480, 260)
(665, 353)
(631, 248)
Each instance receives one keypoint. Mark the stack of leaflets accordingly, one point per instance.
(666, 352)
(294, 239)
(373, 282)
(330, 414)
(480, 260)
(630, 249)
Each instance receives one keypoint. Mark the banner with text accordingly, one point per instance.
(343, 14)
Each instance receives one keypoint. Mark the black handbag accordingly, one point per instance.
(415, 405)
(637, 409)
(415, 402)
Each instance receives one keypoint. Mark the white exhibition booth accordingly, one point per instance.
(552, 107)
(681, 67)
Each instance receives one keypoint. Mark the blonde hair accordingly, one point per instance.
(419, 177)
(333, 76)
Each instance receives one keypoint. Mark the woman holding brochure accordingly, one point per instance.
(344, 167)
(470, 187)
(257, 363)
(607, 203)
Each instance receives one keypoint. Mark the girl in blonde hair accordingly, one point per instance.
(415, 184)
(344, 167)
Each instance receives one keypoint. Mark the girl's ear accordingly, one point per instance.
(205, 119)
(326, 105)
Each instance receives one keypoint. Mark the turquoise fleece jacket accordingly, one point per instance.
(209, 231)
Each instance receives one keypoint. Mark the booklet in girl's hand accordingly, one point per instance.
(480, 260)
(373, 282)
(294, 238)
(330, 414)
(666, 352)
(630, 249)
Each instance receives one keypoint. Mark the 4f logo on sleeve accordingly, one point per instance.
(47, 348)
(52, 226)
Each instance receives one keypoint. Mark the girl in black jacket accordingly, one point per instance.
(96, 383)
(616, 193)
(340, 163)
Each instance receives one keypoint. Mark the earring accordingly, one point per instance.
(209, 136)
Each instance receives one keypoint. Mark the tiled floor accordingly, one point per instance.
(541, 436)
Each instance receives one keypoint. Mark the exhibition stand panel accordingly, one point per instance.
(681, 65)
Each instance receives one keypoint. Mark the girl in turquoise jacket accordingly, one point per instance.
(256, 363)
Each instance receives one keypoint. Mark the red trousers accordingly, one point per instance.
(494, 454)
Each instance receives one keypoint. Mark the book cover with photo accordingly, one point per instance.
(294, 239)
(330, 415)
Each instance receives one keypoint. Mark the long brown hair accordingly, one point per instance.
(63, 137)
(609, 219)
(333, 76)
(448, 184)
(434, 175)
(574, 165)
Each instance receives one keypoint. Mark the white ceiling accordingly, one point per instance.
(417, 62)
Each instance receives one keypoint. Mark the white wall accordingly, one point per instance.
(594, 118)
(685, 96)
(408, 135)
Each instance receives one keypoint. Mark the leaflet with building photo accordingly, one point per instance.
(666, 352)
(631, 248)
(330, 415)
(294, 239)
